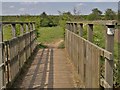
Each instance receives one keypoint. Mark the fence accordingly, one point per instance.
(86, 56)
(15, 52)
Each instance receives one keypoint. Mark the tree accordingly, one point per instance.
(47, 21)
(96, 11)
(43, 15)
(110, 14)
(64, 16)
(95, 15)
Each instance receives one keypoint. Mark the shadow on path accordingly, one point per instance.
(37, 73)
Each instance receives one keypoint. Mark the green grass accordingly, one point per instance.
(50, 34)
(7, 33)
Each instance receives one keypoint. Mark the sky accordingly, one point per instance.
(36, 7)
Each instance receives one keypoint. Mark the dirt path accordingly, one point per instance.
(54, 44)
(49, 69)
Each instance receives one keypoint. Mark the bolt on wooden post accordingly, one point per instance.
(90, 32)
(109, 47)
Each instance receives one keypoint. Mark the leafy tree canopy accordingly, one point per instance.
(110, 14)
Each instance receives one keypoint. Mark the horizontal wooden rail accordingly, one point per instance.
(97, 22)
(16, 51)
(86, 57)
(16, 22)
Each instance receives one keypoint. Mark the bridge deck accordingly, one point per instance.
(49, 69)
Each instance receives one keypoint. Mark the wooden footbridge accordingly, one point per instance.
(76, 66)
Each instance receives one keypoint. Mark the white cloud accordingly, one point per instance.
(80, 4)
(22, 9)
(12, 6)
(28, 3)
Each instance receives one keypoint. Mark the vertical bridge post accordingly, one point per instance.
(70, 26)
(1, 58)
(90, 32)
(110, 48)
(81, 29)
(75, 28)
(13, 30)
(27, 28)
(31, 29)
(22, 28)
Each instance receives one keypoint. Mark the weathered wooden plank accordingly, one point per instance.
(95, 68)
(1, 58)
(81, 29)
(88, 66)
(90, 32)
(109, 63)
(13, 30)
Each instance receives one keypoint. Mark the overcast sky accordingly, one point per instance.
(18, 7)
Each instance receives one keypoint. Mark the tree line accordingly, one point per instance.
(50, 20)
(45, 20)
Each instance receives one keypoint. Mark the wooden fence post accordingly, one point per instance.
(22, 28)
(70, 26)
(72, 29)
(110, 48)
(75, 28)
(31, 29)
(1, 59)
(13, 30)
(27, 28)
(33, 25)
(90, 32)
(81, 29)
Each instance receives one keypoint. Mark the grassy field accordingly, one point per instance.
(50, 34)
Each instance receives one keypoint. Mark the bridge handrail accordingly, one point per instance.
(80, 49)
(16, 51)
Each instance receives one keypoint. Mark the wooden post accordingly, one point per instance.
(22, 28)
(75, 28)
(70, 26)
(1, 59)
(33, 26)
(110, 48)
(90, 32)
(27, 28)
(81, 29)
(13, 30)
(72, 29)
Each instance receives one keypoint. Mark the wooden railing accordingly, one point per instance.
(15, 52)
(86, 56)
